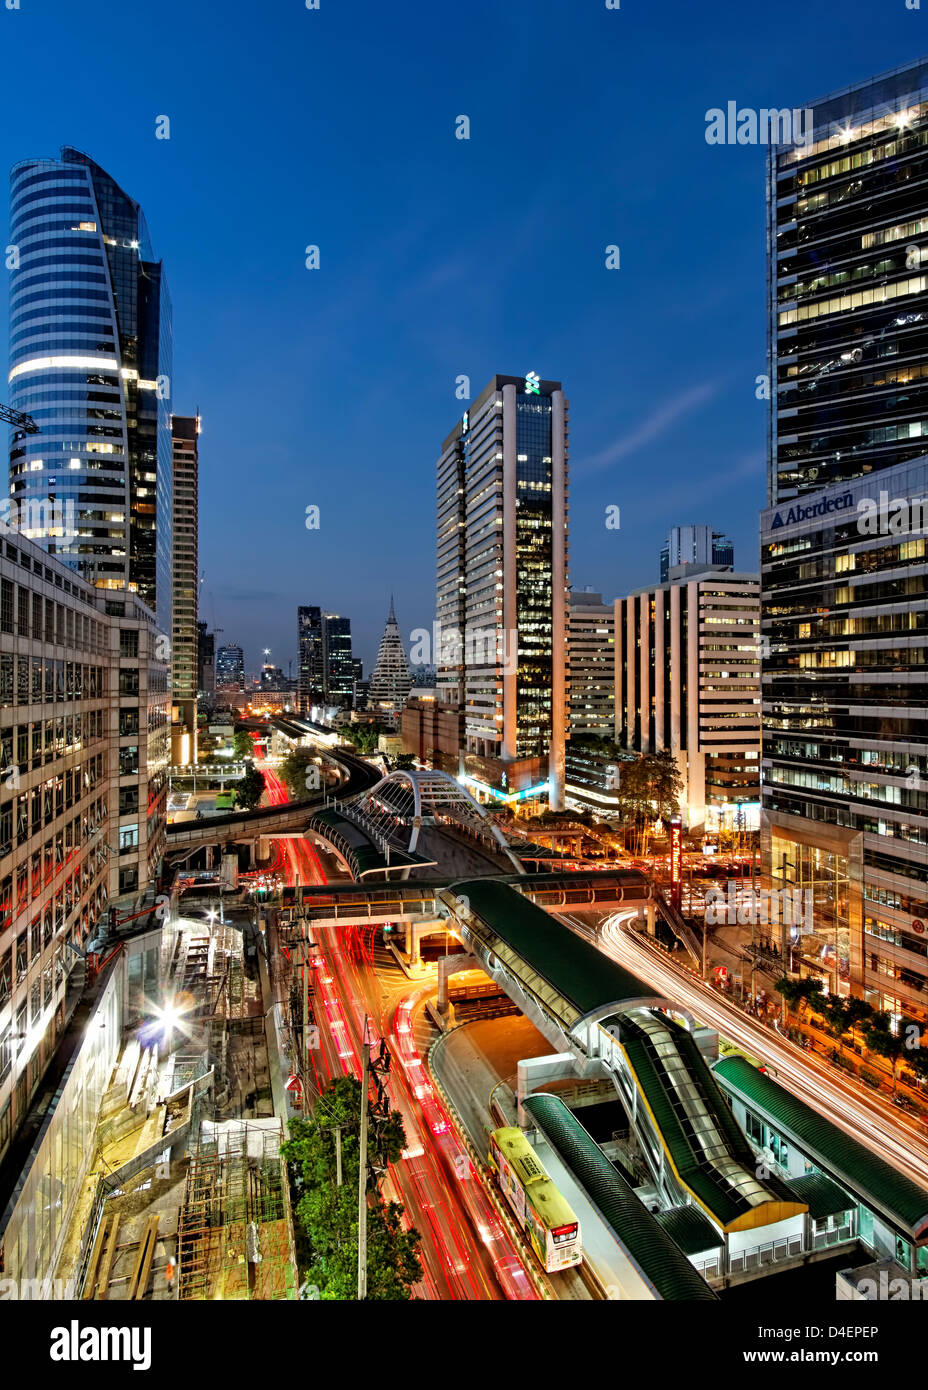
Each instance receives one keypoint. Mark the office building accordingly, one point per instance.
(844, 579)
(85, 742)
(389, 683)
(338, 662)
(185, 431)
(687, 663)
(695, 545)
(591, 651)
(91, 362)
(501, 597)
(311, 657)
(206, 663)
(230, 669)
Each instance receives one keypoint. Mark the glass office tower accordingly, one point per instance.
(502, 584)
(845, 597)
(91, 362)
(311, 657)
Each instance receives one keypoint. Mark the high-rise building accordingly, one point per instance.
(91, 362)
(185, 430)
(389, 683)
(502, 579)
(311, 657)
(230, 669)
(591, 650)
(206, 662)
(338, 663)
(695, 545)
(843, 542)
(687, 673)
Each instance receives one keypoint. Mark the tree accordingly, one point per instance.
(243, 745)
(363, 736)
(403, 762)
(666, 783)
(327, 1215)
(795, 993)
(295, 769)
(249, 788)
(634, 799)
(885, 1043)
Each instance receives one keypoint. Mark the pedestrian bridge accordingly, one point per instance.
(402, 804)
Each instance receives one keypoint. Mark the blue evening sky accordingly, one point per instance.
(441, 257)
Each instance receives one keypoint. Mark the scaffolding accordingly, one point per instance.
(235, 1234)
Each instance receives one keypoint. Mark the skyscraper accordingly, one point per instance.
(695, 545)
(185, 430)
(91, 361)
(502, 586)
(311, 657)
(206, 662)
(844, 590)
(338, 664)
(389, 683)
(230, 668)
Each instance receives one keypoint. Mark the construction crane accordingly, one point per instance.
(18, 419)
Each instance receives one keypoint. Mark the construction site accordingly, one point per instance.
(188, 1196)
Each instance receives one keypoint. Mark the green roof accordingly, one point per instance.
(690, 1228)
(824, 1197)
(657, 1256)
(580, 973)
(870, 1178)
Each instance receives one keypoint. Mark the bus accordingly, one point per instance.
(225, 801)
(539, 1208)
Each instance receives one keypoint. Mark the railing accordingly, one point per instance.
(761, 1256)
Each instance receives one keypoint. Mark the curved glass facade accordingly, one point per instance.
(91, 362)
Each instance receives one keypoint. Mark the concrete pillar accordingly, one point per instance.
(652, 917)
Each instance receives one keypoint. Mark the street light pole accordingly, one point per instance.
(362, 1175)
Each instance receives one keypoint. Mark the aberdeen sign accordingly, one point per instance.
(798, 512)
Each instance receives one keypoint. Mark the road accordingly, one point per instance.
(875, 1124)
(466, 1251)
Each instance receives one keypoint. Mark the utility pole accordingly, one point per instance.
(362, 1175)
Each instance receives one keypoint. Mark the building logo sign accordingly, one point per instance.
(532, 384)
(676, 862)
(799, 513)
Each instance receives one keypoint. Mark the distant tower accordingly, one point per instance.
(389, 684)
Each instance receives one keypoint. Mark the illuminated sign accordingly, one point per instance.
(800, 513)
(506, 796)
(676, 861)
(532, 384)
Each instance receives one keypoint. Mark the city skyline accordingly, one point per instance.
(562, 939)
(681, 405)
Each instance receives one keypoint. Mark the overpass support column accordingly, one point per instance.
(412, 945)
(652, 917)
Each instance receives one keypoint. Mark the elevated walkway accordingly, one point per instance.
(586, 1004)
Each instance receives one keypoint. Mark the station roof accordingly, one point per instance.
(364, 856)
(880, 1186)
(580, 978)
(656, 1254)
(690, 1228)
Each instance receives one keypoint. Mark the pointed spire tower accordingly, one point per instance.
(390, 682)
